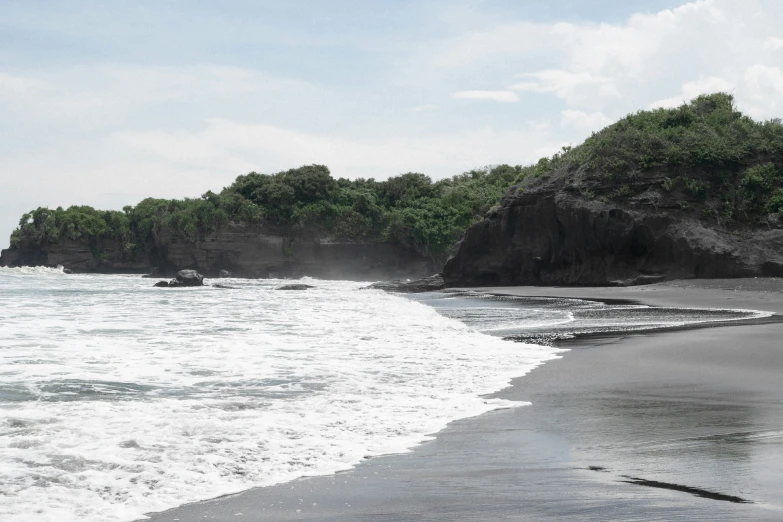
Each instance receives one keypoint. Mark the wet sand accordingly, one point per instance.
(679, 425)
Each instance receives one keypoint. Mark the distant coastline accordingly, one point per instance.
(690, 192)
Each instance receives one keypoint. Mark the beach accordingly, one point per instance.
(672, 425)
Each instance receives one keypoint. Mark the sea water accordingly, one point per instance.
(546, 320)
(118, 399)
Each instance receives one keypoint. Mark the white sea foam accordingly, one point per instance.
(117, 398)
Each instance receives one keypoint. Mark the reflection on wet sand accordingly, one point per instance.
(677, 432)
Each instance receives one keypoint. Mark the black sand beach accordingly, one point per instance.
(679, 425)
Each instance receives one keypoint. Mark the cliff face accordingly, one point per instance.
(78, 256)
(246, 251)
(572, 232)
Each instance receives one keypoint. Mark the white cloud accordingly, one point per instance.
(569, 86)
(235, 147)
(773, 43)
(691, 90)
(510, 38)
(760, 77)
(763, 85)
(584, 121)
(498, 96)
(423, 108)
(659, 58)
(104, 94)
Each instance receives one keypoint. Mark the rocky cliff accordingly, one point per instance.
(581, 230)
(244, 250)
(688, 192)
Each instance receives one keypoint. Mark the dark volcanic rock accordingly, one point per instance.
(296, 286)
(426, 284)
(270, 251)
(551, 233)
(639, 280)
(257, 250)
(78, 255)
(184, 278)
(188, 278)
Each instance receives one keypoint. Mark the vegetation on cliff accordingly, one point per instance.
(409, 209)
(727, 167)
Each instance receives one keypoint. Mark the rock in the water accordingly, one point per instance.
(224, 273)
(189, 278)
(184, 278)
(224, 287)
(637, 281)
(297, 286)
(426, 284)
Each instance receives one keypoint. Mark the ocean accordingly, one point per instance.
(119, 399)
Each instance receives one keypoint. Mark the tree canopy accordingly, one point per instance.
(409, 209)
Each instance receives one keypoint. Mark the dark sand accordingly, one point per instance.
(680, 425)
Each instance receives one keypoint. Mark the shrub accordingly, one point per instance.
(775, 203)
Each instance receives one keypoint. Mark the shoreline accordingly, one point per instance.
(547, 461)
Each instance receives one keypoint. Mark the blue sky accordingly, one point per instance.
(105, 103)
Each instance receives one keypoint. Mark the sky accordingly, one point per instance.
(105, 102)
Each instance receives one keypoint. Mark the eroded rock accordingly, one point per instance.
(425, 284)
(548, 233)
(296, 286)
(185, 278)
